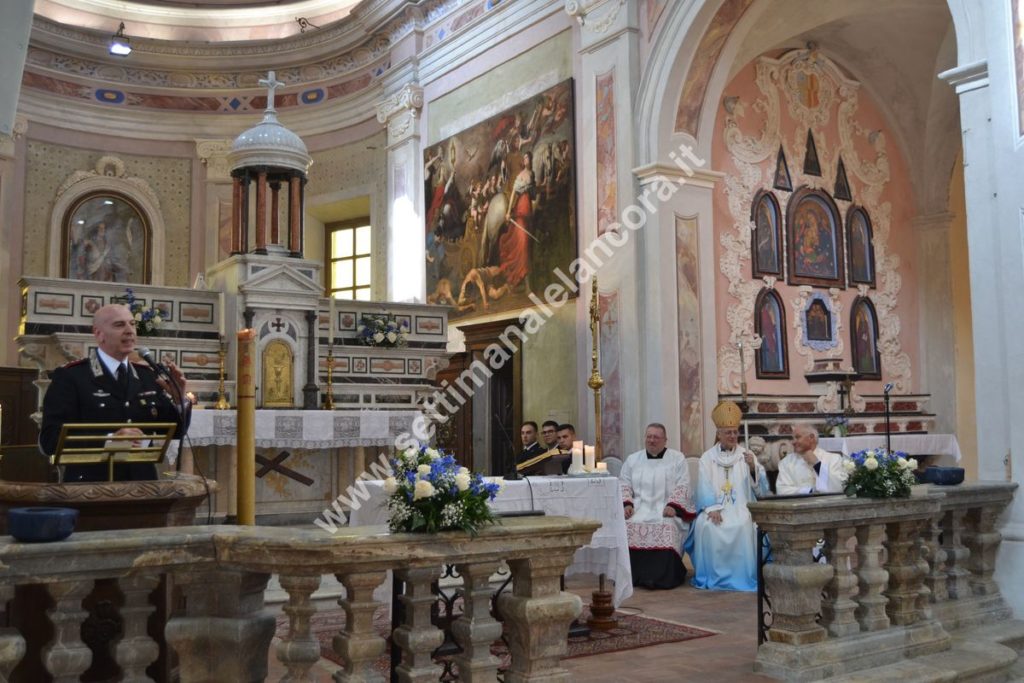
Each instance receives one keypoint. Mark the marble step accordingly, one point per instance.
(967, 661)
(1008, 632)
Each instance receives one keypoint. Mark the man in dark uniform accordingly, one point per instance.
(528, 433)
(106, 387)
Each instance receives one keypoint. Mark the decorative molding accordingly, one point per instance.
(967, 77)
(581, 10)
(661, 172)
(8, 142)
(400, 111)
(213, 154)
(108, 175)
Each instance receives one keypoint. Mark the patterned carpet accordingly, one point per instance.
(633, 632)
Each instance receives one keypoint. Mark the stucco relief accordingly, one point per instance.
(810, 83)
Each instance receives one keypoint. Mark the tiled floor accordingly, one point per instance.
(722, 658)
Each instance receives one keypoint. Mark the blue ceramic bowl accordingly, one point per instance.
(944, 476)
(41, 525)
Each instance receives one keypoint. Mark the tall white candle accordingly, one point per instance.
(589, 457)
(220, 305)
(330, 323)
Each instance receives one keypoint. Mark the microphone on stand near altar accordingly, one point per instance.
(888, 427)
(179, 406)
(510, 472)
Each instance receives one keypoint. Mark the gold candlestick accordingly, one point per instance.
(222, 400)
(596, 381)
(329, 400)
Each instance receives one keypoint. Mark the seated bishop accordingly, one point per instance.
(723, 540)
(658, 508)
(809, 469)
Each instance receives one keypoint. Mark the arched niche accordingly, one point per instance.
(107, 179)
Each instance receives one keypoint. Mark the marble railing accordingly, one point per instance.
(900, 575)
(224, 632)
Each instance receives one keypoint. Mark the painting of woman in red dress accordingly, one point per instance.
(514, 245)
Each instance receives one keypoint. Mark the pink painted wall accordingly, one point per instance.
(902, 242)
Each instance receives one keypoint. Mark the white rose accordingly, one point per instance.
(870, 453)
(463, 470)
(904, 464)
(157, 319)
(423, 470)
(138, 317)
(410, 455)
(871, 464)
(433, 453)
(912, 464)
(378, 337)
(462, 481)
(849, 465)
(424, 489)
(392, 337)
(390, 486)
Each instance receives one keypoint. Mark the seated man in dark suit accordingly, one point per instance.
(106, 387)
(531, 448)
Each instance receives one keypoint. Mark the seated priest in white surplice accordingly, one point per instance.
(723, 541)
(809, 469)
(658, 507)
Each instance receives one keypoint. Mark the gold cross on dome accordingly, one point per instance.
(271, 84)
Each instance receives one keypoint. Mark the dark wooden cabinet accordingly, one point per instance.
(18, 400)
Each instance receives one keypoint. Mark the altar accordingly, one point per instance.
(944, 447)
(597, 498)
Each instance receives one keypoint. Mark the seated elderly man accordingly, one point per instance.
(658, 507)
(809, 469)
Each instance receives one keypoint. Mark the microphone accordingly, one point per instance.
(147, 355)
(887, 388)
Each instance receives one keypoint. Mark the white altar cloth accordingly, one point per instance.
(912, 444)
(311, 429)
(596, 498)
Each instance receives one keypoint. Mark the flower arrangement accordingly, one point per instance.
(381, 332)
(837, 423)
(147, 320)
(878, 473)
(430, 492)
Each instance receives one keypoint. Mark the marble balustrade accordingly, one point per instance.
(225, 632)
(901, 575)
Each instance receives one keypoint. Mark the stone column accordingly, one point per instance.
(66, 657)
(795, 583)
(359, 645)
(871, 579)
(12, 644)
(935, 580)
(311, 391)
(982, 540)
(300, 649)
(417, 635)
(136, 650)
(275, 236)
(236, 215)
(537, 614)
(399, 111)
(295, 215)
(956, 555)
(244, 207)
(476, 629)
(905, 575)
(837, 610)
(226, 632)
(261, 212)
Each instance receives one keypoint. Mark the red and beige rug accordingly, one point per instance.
(633, 632)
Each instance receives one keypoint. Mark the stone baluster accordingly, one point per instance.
(300, 649)
(136, 650)
(537, 614)
(359, 645)
(417, 636)
(935, 554)
(904, 573)
(225, 633)
(12, 643)
(838, 611)
(924, 593)
(795, 583)
(956, 554)
(871, 579)
(476, 629)
(66, 657)
(982, 541)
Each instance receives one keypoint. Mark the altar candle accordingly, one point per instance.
(330, 315)
(588, 459)
(602, 467)
(746, 434)
(221, 307)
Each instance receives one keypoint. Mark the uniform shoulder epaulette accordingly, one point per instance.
(75, 362)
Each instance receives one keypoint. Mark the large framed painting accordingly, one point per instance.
(106, 238)
(814, 237)
(766, 240)
(772, 360)
(859, 235)
(500, 207)
(867, 361)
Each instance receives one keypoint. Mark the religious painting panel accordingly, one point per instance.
(772, 360)
(278, 364)
(820, 325)
(859, 240)
(607, 180)
(611, 393)
(814, 239)
(105, 238)
(867, 361)
(691, 413)
(500, 202)
(766, 241)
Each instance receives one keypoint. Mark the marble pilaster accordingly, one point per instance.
(417, 635)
